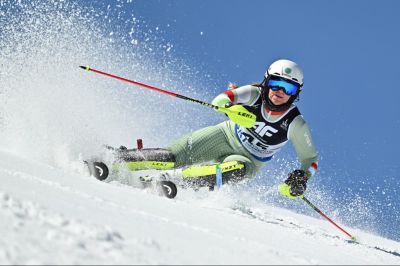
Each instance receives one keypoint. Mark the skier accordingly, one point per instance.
(236, 151)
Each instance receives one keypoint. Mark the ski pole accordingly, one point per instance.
(353, 238)
(236, 113)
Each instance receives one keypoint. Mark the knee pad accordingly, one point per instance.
(205, 175)
(235, 173)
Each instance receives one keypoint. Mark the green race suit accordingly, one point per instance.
(255, 146)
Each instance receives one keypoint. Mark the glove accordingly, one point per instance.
(294, 185)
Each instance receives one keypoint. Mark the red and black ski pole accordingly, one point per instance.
(237, 113)
(147, 86)
(353, 238)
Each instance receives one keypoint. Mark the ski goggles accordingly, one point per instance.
(289, 88)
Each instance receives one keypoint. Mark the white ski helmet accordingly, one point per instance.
(286, 69)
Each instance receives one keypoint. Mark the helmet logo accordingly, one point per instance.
(288, 70)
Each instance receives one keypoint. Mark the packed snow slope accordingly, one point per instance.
(53, 216)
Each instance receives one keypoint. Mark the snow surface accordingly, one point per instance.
(52, 216)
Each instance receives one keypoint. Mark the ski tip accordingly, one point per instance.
(168, 189)
(87, 68)
(99, 170)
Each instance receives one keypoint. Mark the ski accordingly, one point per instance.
(165, 188)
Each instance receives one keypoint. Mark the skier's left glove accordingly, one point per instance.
(294, 185)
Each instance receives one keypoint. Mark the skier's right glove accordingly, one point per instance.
(294, 185)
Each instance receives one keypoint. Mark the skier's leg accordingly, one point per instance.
(204, 145)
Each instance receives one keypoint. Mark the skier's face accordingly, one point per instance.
(278, 97)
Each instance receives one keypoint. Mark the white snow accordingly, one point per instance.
(52, 216)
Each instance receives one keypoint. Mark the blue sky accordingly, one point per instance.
(348, 51)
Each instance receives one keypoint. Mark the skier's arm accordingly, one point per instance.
(245, 95)
(300, 135)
